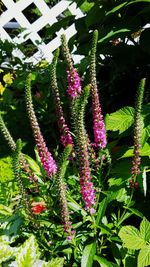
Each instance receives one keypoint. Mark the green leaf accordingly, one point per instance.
(5, 210)
(136, 212)
(131, 237)
(86, 6)
(145, 151)
(116, 8)
(120, 120)
(144, 257)
(145, 229)
(88, 255)
(28, 253)
(6, 252)
(103, 262)
(33, 165)
(112, 34)
(138, 1)
(57, 262)
(101, 210)
(119, 195)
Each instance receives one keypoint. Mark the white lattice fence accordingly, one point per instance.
(30, 32)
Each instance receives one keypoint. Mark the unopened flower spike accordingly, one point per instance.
(63, 163)
(25, 167)
(66, 137)
(18, 173)
(74, 84)
(46, 158)
(98, 121)
(86, 185)
(135, 170)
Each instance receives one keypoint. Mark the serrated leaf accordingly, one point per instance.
(145, 229)
(131, 237)
(88, 255)
(4, 210)
(120, 120)
(144, 257)
(119, 195)
(103, 262)
(28, 253)
(57, 262)
(6, 252)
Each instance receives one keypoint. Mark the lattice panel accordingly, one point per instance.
(49, 16)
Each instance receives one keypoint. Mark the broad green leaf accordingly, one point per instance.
(103, 262)
(145, 135)
(115, 182)
(101, 210)
(5, 210)
(28, 253)
(116, 8)
(131, 237)
(145, 151)
(119, 195)
(88, 255)
(144, 257)
(120, 120)
(57, 262)
(145, 229)
(6, 252)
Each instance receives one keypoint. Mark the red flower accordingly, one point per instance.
(38, 207)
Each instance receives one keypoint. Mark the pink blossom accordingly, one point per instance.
(98, 122)
(74, 86)
(45, 156)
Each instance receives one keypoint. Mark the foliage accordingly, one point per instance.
(134, 239)
(47, 223)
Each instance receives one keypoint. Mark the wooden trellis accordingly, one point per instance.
(30, 31)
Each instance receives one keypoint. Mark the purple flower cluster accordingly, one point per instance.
(98, 123)
(87, 190)
(74, 86)
(45, 156)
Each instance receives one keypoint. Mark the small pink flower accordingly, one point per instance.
(74, 86)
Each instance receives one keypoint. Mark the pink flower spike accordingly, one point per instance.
(74, 86)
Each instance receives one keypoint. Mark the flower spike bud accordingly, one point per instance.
(66, 137)
(86, 185)
(25, 167)
(98, 121)
(7, 134)
(135, 170)
(18, 173)
(62, 166)
(47, 161)
(74, 84)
